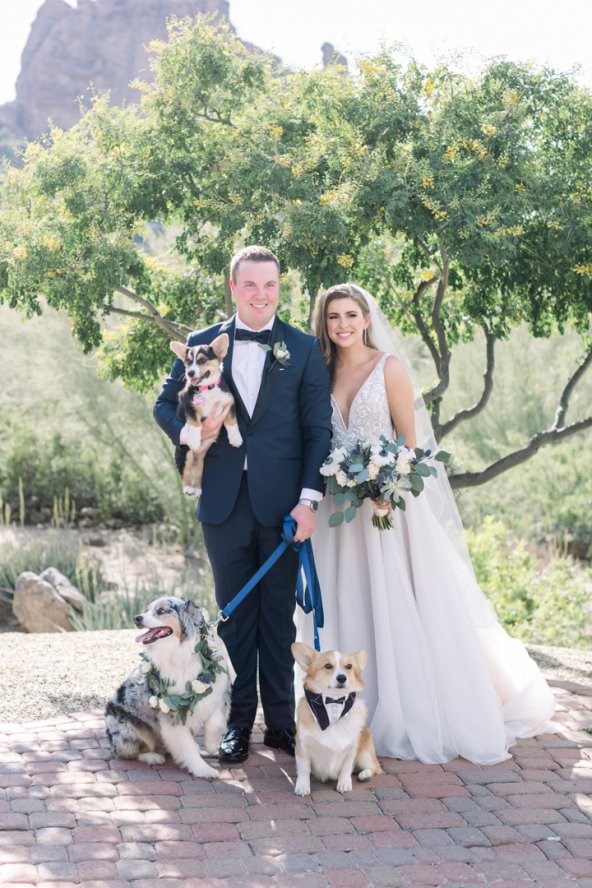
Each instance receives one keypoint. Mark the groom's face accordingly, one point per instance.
(256, 292)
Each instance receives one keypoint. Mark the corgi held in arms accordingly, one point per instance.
(332, 740)
(204, 387)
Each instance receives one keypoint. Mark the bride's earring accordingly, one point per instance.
(365, 336)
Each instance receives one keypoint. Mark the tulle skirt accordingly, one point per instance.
(443, 679)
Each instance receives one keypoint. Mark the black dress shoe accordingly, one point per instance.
(234, 747)
(281, 738)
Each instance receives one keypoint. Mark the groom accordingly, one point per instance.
(284, 415)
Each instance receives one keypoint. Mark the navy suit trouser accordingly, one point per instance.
(261, 629)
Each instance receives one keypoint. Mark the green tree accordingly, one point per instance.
(463, 203)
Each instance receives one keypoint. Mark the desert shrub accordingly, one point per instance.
(16, 557)
(543, 605)
(53, 468)
(117, 611)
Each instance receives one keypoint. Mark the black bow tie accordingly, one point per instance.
(319, 710)
(262, 336)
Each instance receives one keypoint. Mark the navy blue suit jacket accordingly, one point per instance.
(286, 440)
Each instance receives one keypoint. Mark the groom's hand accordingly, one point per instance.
(305, 521)
(213, 422)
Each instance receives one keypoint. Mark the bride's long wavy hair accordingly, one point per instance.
(338, 291)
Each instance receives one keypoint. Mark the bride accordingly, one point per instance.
(443, 678)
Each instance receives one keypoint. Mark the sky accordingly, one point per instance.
(555, 32)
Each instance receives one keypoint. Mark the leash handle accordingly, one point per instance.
(308, 590)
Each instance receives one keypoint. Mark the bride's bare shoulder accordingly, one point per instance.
(395, 376)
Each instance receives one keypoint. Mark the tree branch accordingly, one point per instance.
(446, 427)
(419, 321)
(419, 241)
(541, 439)
(177, 331)
(559, 421)
(443, 364)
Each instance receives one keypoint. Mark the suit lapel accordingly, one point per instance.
(228, 327)
(271, 369)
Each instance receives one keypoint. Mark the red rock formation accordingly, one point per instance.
(100, 42)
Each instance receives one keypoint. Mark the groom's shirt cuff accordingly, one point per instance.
(309, 493)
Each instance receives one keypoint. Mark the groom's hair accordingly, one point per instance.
(252, 253)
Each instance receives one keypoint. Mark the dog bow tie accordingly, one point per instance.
(318, 706)
(262, 336)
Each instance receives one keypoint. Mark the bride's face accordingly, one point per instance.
(346, 322)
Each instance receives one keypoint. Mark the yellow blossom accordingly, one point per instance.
(510, 97)
(488, 129)
(20, 253)
(451, 152)
(426, 275)
(428, 87)
(345, 261)
(583, 270)
(427, 181)
(49, 241)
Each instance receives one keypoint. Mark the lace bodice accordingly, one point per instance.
(369, 415)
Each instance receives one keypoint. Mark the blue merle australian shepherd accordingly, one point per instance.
(181, 688)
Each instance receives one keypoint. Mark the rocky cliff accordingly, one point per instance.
(100, 42)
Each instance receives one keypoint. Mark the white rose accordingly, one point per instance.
(153, 701)
(199, 686)
(373, 471)
(403, 464)
(342, 478)
(163, 706)
(146, 667)
(328, 469)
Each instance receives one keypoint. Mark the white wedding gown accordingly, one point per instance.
(443, 678)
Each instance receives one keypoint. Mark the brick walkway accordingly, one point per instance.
(71, 816)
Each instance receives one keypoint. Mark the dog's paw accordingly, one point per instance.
(235, 439)
(344, 784)
(191, 491)
(152, 758)
(366, 774)
(193, 439)
(302, 787)
(204, 771)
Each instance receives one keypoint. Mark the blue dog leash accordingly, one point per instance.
(308, 590)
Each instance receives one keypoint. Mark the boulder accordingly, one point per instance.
(64, 587)
(41, 606)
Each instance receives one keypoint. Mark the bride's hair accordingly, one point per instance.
(338, 291)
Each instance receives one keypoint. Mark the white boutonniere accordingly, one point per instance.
(280, 353)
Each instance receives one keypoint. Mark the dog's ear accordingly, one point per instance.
(191, 617)
(360, 659)
(303, 654)
(179, 348)
(220, 345)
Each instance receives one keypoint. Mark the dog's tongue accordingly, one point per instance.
(152, 634)
(194, 381)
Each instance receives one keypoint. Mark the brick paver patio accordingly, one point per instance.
(69, 815)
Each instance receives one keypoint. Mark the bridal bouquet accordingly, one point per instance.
(381, 471)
